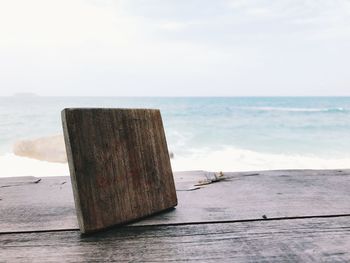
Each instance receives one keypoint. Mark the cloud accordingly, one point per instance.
(61, 23)
(194, 47)
(173, 26)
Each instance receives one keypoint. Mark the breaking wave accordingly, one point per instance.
(229, 159)
(233, 159)
(286, 109)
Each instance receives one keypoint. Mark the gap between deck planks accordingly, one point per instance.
(30, 205)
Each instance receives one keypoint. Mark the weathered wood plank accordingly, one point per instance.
(119, 165)
(302, 240)
(29, 206)
(26, 206)
(274, 194)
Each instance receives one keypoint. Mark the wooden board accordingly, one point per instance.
(302, 240)
(49, 205)
(119, 165)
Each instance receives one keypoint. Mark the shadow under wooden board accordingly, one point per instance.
(119, 165)
(44, 204)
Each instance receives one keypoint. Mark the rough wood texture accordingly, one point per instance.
(250, 195)
(301, 240)
(189, 232)
(119, 165)
(49, 205)
(28, 206)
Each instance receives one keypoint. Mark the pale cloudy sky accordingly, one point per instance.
(175, 48)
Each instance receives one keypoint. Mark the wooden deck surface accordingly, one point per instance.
(264, 216)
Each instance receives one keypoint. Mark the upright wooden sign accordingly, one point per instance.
(119, 165)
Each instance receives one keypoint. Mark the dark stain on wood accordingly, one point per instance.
(119, 165)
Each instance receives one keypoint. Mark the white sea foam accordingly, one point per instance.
(229, 159)
(12, 165)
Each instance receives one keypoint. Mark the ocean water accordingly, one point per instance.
(211, 133)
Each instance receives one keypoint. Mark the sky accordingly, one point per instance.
(175, 48)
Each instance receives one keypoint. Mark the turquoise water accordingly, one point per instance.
(288, 126)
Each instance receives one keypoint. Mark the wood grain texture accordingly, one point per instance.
(49, 205)
(250, 195)
(28, 206)
(302, 240)
(119, 165)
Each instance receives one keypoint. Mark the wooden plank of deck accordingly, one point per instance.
(251, 195)
(29, 206)
(48, 204)
(301, 240)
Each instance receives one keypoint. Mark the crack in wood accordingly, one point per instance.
(20, 184)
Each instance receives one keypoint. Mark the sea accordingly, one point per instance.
(203, 133)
